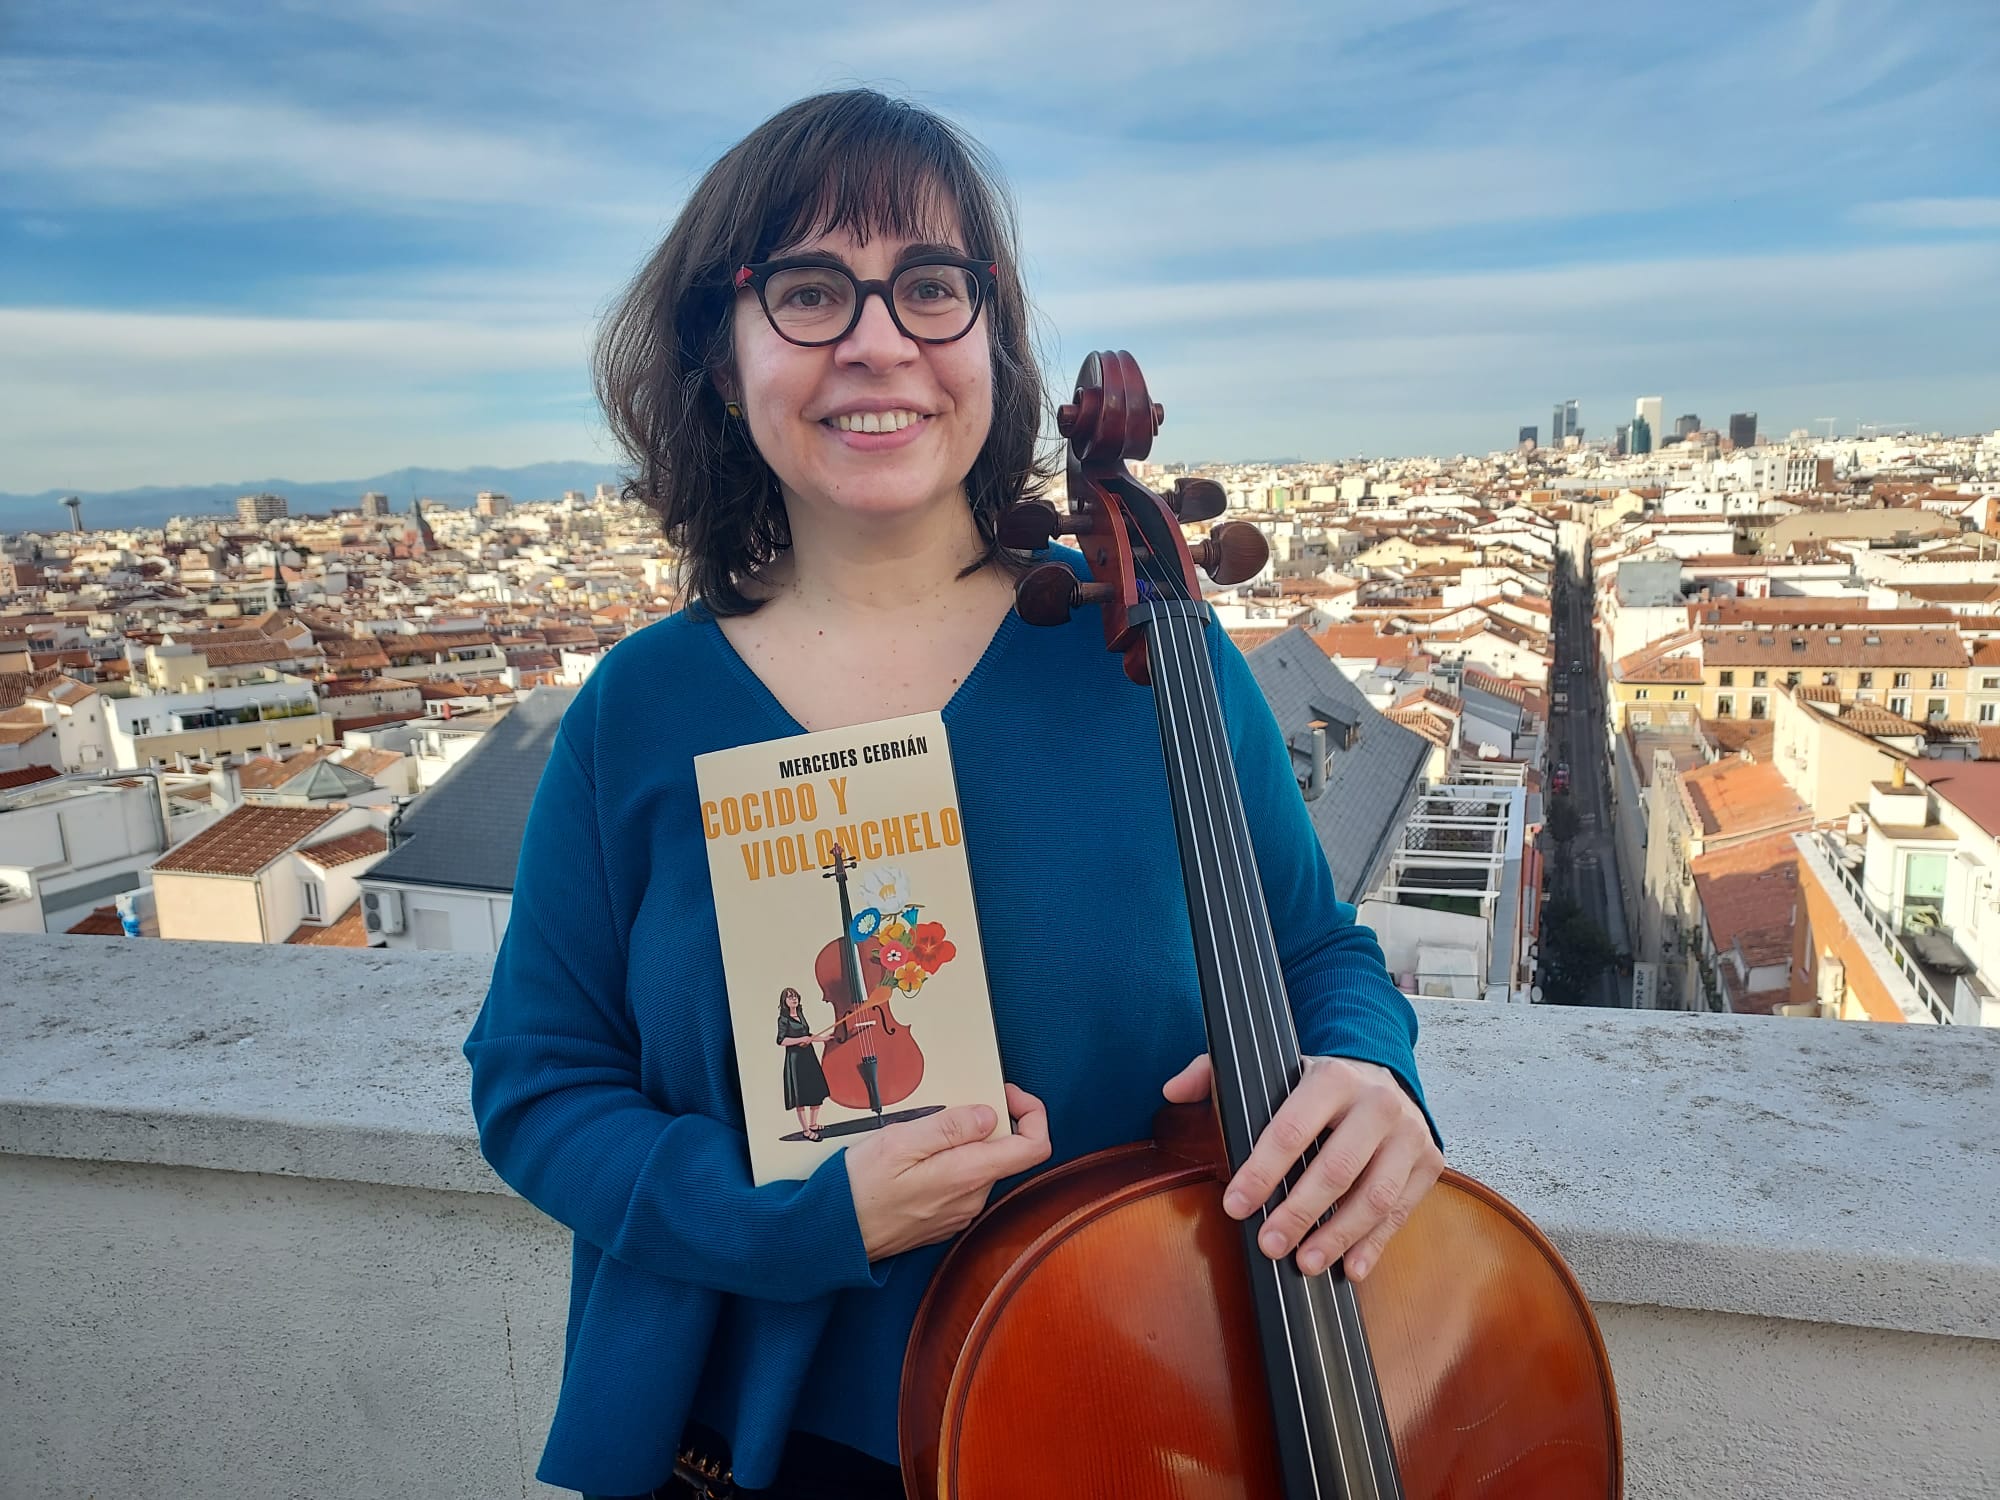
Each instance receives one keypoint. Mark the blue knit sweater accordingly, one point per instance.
(603, 1076)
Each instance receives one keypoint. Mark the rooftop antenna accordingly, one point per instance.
(74, 505)
(1831, 423)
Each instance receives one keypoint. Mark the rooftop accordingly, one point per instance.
(245, 840)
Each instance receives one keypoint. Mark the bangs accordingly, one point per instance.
(896, 172)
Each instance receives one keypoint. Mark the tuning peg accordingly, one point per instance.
(1234, 552)
(1046, 595)
(1031, 525)
(1197, 500)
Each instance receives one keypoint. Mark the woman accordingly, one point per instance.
(825, 380)
(805, 1080)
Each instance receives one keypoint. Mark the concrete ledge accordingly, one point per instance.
(1818, 1171)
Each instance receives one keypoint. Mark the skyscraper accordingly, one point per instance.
(1687, 426)
(1652, 411)
(1528, 436)
(374, 503)
(1557, 427)
(1642, 434)
(257, 509)
(1743, 429)
(1622, 444)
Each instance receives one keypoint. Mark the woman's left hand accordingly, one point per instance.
(1377, 1163)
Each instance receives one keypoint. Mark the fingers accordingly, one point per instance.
(1190, 1085)
(1335, 1170)
(947, 1130)
(1378, 1200)
(1363, 1257)
(1324, 1094)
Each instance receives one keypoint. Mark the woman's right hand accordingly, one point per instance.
(924, 1180)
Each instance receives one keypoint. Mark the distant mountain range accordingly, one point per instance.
(152, 505)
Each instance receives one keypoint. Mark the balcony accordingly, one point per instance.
(253, 1250)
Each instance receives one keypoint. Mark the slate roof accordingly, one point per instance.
(465, 832)
(1369, 786)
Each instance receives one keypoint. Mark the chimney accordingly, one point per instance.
(1897, 775)
(1316, 777)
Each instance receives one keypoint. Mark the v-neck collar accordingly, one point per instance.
(1011, 625)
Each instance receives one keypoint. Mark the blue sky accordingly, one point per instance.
(261, 238)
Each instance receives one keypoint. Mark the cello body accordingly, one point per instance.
(1107, 1330)
(899, 1062)
(1092, 1335)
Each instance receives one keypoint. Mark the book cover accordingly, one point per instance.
(850, 945)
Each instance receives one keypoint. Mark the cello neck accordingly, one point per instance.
(1333, 1435)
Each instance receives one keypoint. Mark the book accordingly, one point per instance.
(850, 942)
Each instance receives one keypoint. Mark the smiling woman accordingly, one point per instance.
(846, 177)
(824, 381)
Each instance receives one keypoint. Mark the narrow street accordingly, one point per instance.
(1580, 741)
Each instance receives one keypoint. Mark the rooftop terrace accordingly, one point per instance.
(254, 1251)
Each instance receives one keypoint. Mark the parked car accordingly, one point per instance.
(1576, 669)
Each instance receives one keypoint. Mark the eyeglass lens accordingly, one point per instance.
(814, 304)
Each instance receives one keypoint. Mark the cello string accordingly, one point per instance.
(1183, 636)
(1317, 1290)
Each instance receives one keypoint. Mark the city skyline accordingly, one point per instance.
(314, 247)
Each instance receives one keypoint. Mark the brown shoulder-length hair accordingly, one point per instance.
(854, 160)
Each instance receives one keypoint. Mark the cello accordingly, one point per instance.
(871, 1059)
(1106, 1330)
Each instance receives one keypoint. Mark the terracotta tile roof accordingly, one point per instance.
(330, 854)
(1737, 798)
(1752, 737)
(26, 776)
(246, 840)
(370, 763)
(1500, 687)
(343, 723)
(1749, 898)
(1427, 724)
(1874, 720)
(348, 930)
(1660, 669)
(1776, 647)
(251, 653)
(102, 922)
(1808, 611)
(1989, 741)
(21, 734)
(1816, 693)
(15, 687)
(263, 773)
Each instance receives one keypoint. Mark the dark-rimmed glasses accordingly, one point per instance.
(815, 300)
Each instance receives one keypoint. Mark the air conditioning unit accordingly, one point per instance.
(382, 911)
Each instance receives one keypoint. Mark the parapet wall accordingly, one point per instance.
(252, 1250)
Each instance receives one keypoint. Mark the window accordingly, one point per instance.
(1757, 708)
(1798, 643)
(1791, 679)
(1865, 679)
(1937, 679)
(1989, 683)
(313, 898)
(1725, 707)
(1643, 694)
(1933, 708)
(1900, 707)
(1986, 713)
(1829, 679)
(1760, 679)
(1680, 695)
(1728, 679)
(1902, 680)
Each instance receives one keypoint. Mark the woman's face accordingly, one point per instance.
(793, 398)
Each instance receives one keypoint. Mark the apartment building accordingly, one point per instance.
(265, 873)
(1733, 673)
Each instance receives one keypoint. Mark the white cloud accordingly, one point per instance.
(191, 152)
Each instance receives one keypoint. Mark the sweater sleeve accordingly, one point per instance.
(1343, 1001)
(563, 1118)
